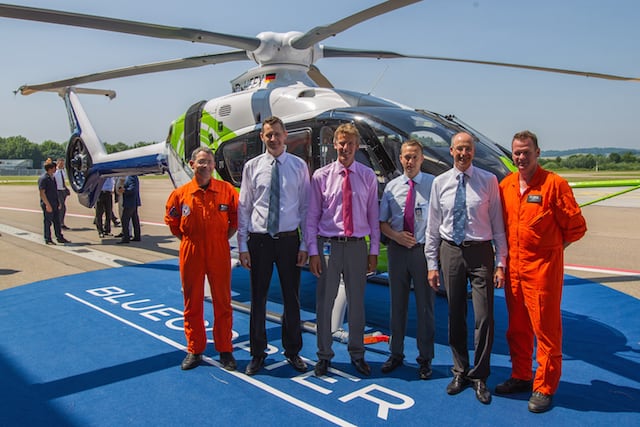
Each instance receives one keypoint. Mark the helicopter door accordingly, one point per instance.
(192, 121)
(233, 154)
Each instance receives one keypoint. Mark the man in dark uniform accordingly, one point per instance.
(49, 204)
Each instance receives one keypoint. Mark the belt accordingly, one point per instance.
(343, 238)
(468, 243)
(277, 236)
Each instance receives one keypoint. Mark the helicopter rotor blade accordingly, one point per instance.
(129, 27)
(332, 52)
(320, 33)
(319, 78)
(176, 64)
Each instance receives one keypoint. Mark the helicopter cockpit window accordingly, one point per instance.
(237, 152)
(299, 143)
(327, 151)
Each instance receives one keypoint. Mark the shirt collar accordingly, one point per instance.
(468, 172)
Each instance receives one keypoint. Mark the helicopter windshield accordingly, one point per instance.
(393, 126)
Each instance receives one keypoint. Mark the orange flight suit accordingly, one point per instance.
(538, 223)
(202, 220)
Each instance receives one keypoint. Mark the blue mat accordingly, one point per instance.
(104, 348)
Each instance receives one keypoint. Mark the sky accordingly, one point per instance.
(564, 111)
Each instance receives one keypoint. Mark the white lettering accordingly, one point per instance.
(166, 312)
(105, 292)
(383, 406)
(129, 305)
(113, 299)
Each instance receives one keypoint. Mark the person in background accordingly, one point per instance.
(542, 218)
(403, 219)
(63, 191)
(130, 200)
(203, 215)
(272, 210)
(464, 226)
(49, 204)
(343, 210)
(104, 206)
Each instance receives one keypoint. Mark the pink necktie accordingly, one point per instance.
(409, 208)
(347, 212)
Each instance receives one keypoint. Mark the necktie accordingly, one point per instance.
(273, 220)
(460, 211)
(409, 208)
(347, 209)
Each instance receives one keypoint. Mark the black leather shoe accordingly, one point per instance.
(321, 367)
(514, 385)
(425, 371)
(539, 402)
(482, 392)
(64, 227)
(63, 240)
(191, 361)
(227, 361)
(457, 384)
(256, 363)
(49, 242)
(391, 364)
(297, 363)
(123, 241)
(119, 235)
(362, 366)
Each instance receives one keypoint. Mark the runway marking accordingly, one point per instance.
(256, 383)
(161, 224)
(611, 271)
(81, 250)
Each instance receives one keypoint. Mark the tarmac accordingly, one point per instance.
(609, 253)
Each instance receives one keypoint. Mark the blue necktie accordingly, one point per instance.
(460, 211)
(273, 220)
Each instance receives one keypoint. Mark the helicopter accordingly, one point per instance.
(286, 83)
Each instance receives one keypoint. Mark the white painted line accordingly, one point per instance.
(72, 214)
(79, 249)
(611, 271)
(265, 387)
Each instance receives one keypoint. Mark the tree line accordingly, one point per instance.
(611, 162)
(19, 147)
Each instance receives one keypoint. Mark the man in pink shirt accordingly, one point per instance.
(343, 210)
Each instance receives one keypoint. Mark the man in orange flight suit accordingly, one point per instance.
(203, 215)
(541, 218)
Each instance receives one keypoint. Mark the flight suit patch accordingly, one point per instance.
(534, 198)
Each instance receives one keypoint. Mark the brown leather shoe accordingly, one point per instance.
(539, 402)
(457, 384)
(191, 361)
(482, 392)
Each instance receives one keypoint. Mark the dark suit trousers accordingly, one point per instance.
(476, 264)
(407, 266)
(266, 251)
